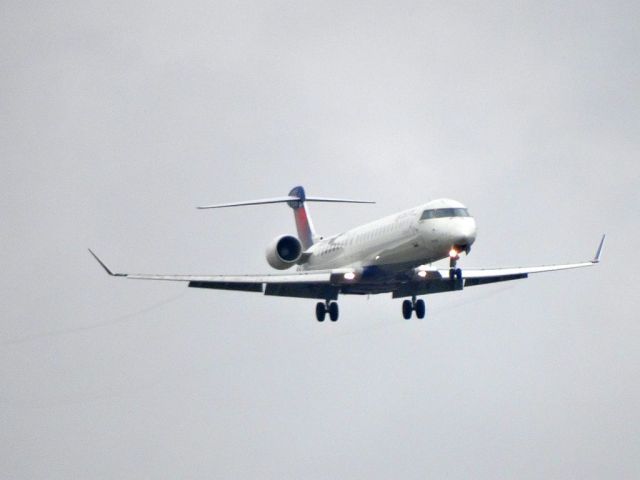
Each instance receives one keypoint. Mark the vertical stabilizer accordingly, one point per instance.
(306, 232)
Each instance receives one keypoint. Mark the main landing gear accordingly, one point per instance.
(322, 308)
(413, 305)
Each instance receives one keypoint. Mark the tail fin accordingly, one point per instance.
(304, 225)
(296, 200)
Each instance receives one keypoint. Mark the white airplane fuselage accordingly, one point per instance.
(396, 242)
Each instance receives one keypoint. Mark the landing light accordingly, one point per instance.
(349, 276)
(422, 273)
(453, 253)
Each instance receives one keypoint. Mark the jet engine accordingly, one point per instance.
(284, 252)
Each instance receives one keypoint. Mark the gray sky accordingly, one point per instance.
(118, 118)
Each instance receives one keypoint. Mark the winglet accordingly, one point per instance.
(596, 259)
(106, 269)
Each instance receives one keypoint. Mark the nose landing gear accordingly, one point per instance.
(455, 274)
(413, 305)
(454, 256)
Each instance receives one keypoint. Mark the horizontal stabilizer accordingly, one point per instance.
(262, 201)
(290, 198)
(336, 200)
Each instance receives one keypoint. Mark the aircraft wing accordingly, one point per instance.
(483, 276)
(316, 284)
(438, 280)
(491, 275)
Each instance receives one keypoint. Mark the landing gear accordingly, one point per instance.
(322, 308)
(413, 305)
(454, 256)
(455, 277)
(333, 311)
(407, 309)
(455, 274)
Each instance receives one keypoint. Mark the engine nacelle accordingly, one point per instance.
(284, 252)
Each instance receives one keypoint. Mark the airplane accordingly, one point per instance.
(391, 255)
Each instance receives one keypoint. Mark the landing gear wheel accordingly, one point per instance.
(333, 311)
(420, 309)
(321, 311)
(455, 277)
(407, 309)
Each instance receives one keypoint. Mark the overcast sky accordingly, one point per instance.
(118, 118)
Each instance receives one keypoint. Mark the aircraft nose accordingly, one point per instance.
(466, 233)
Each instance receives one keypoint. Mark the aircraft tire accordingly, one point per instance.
(334, 312)
(407, 309)
(421, 309)
(321, 311)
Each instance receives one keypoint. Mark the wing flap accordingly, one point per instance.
(470, 282)
(244, 287)
(302, 290)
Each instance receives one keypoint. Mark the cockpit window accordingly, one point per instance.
(444, 212)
